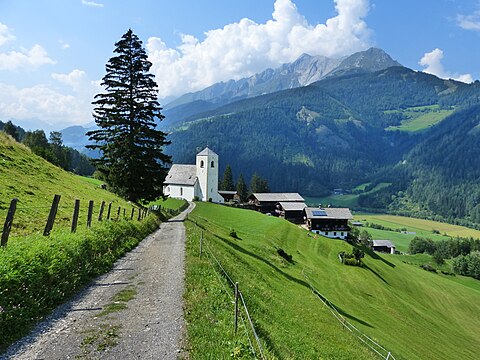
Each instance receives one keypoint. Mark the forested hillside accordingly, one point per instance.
(344, 131)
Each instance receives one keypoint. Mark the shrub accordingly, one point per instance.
(428, 267)
(233, 234)
(284, 255)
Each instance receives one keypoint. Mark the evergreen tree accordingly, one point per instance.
(131, 161)
(242, 188)
(259, 184)
(227, 182)
(11, 130)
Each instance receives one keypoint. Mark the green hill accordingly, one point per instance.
(34, 181)
(413, 313)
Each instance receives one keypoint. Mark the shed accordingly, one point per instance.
(229, 196)
(385, 246)
(291, 211)
(266, 202)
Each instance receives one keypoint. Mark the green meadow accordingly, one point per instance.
(420, 118)
(413, 313)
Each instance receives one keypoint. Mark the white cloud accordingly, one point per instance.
(5, 35)
(25, 59)
(469, 22)
(432, 63)
(92, 3)
(64, 45)
(245, 47)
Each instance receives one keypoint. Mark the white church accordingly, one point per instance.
(199, 180)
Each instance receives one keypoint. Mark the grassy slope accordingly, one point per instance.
(420, 118)
(413, 313)
(35, 181)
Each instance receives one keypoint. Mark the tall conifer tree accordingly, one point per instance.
(132, 161)
(227, 182)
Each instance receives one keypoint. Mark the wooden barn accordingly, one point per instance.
(291, 211)
(329, 222)
(385, 246)
(229, 196)
(266, 202)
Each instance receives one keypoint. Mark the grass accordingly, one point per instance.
(420, 226)
(420, 118)
(346, 200)
(413, 313)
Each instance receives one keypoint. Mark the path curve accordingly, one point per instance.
(135, 311)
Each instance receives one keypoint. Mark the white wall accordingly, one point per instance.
(330, 234)
(180, 191)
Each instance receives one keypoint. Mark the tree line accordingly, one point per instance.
(258, 184)
(51, 149)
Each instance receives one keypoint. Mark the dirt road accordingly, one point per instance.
(132, 312)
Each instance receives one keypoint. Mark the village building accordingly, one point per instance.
(195, 181)
(385, 246)
(229, 196)
(291, 211)
(329, 222)
(266, 202)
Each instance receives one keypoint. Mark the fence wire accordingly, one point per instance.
(215, 260)
(372, 344)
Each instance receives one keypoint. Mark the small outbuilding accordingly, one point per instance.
(385, 246)
(229, 196)
(266, 202)
(291, 211)
(329, 222)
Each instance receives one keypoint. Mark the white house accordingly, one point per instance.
(199, 180)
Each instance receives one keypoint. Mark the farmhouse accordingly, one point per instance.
(266, 202)
(329, 222)
(199, 180)
(384, 246)
(291, 211)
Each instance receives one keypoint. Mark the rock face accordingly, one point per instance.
(303, 71)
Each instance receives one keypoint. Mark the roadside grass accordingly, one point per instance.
(169, 203)
(413, 313)
(38, 273)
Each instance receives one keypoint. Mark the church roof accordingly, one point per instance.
(206, 152)
(182, 175)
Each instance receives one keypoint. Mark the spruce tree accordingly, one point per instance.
(242, 188)
(132, 161)
(259, 184)
(227, 182)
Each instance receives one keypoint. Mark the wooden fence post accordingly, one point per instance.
(8, 221)
(76, 211)
(139, 213)
(100, 214)
(90, 213)
(51, 215)
(236, 307)
(131, 215)
(124, 212)
(118, 213)
(201, 243)
(109, 209)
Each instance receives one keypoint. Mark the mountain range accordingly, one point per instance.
(318, 124)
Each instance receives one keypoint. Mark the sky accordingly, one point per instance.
(53, 52)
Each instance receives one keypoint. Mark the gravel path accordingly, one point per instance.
(132, 312)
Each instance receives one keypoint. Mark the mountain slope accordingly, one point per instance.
(303, 71)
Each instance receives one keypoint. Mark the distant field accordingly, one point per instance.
(420, 118)
(91, 180)
(421, 226)
(347, 200)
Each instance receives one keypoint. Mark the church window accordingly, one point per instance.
(201, 163)
(181, 191)
(212, 164)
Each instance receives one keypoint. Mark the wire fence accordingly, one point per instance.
(369, 342)
(255, 344)
(23, 218)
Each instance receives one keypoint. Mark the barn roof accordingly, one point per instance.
(227, 192)
(182, 175)
(278, 197)
(206, 152)
(386, 243)
(292, 206)
(328, 213)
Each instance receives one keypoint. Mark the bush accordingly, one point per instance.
(428, 267)
(284, 255)
(233, 234)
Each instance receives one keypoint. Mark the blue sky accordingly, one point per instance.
(53, 52)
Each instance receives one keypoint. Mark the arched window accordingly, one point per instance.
(201, 163)
(181, 191)
(212, 164)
